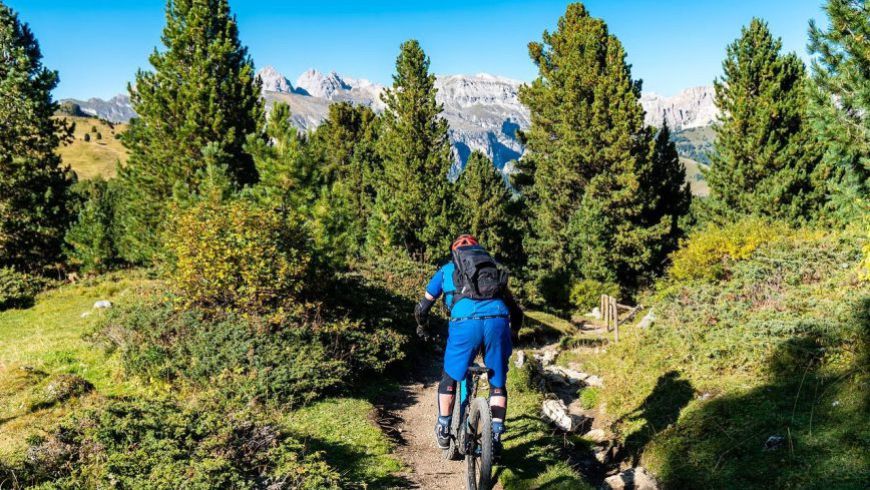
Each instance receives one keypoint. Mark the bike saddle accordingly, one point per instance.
(478, 369)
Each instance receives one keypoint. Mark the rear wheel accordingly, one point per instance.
(453, 453)
(478, 456)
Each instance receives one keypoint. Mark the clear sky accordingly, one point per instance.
(97, 45)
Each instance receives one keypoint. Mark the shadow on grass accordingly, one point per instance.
(355, 466)
(807, 427)
(659, 410)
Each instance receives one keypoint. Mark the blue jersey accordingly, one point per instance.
(442, 282)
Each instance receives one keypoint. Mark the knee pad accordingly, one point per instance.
(447, 386)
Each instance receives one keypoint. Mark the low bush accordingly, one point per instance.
(237, 255)
(586, 293)
(16, 290)
(159, 444)
(289, 362)
(707, 253)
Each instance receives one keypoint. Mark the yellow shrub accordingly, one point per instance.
(705, 254)
(236, 255)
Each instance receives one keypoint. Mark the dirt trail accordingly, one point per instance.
(412, 415)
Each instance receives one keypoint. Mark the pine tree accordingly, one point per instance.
(764, 155)
(414, 209)
(345, 149)
(34, 185)
(202, 91)
(487, 208)
(90, 241)
(841, 103)
(288, 178)
(590, 153)
(667, 196)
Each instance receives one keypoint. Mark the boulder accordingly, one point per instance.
(773, 443)
(520, 361)
(647, 319)
(596, 435)
(631, 479)
(556, 413)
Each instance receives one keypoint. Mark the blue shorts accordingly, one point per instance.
(465, 341)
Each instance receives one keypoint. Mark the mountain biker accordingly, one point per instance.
(484, 320)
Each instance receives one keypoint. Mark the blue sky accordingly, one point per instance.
(97, 45)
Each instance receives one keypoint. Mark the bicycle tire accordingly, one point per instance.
(453, 452)
(479, 467)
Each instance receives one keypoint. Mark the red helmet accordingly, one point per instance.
(463, 241)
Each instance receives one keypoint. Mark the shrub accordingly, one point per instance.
(706, 254)
(99, 136)
(16, 290)
(90, 241)
(586, 293)
(589, 397)
(93, 129)
(291, 363)
(158, 444)
(87, 137)
(237, 255)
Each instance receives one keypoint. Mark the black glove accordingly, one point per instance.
(421, 314)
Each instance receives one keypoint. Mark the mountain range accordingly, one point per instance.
(483, 111)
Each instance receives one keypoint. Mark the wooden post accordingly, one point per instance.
(615, 321)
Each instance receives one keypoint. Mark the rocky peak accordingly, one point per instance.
(274, 81)
(316, 84)
(691, 108)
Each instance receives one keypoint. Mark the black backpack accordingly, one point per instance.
(477, 275)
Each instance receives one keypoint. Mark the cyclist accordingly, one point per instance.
(482, 314)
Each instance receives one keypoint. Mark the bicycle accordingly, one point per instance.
(471, 431)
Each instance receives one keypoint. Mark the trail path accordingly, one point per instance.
(411, 415)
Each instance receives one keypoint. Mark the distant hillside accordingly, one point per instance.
(100, 155)
(694, 177)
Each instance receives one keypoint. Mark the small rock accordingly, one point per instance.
(520, 360)
(86, 314)
(602, 455)
(647, 319)
(773, 443)
(102, 304)
(60, 388)
(595, 381)
(595, 313)
(555, 412)
(632, 478)
(596, 435)
(835, 403)
(547, 357)
(705, 396)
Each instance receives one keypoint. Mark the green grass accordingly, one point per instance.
(532, 455)
(344, 429)
(777, 347)
(47, 339)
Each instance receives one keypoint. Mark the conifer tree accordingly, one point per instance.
(201, 93)
(667, 196)
(841, 104)
(590, 154)
(345, 147)
(487, 208)
(764, 155)
(34, 185)
(414, 209)
(288, 179)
